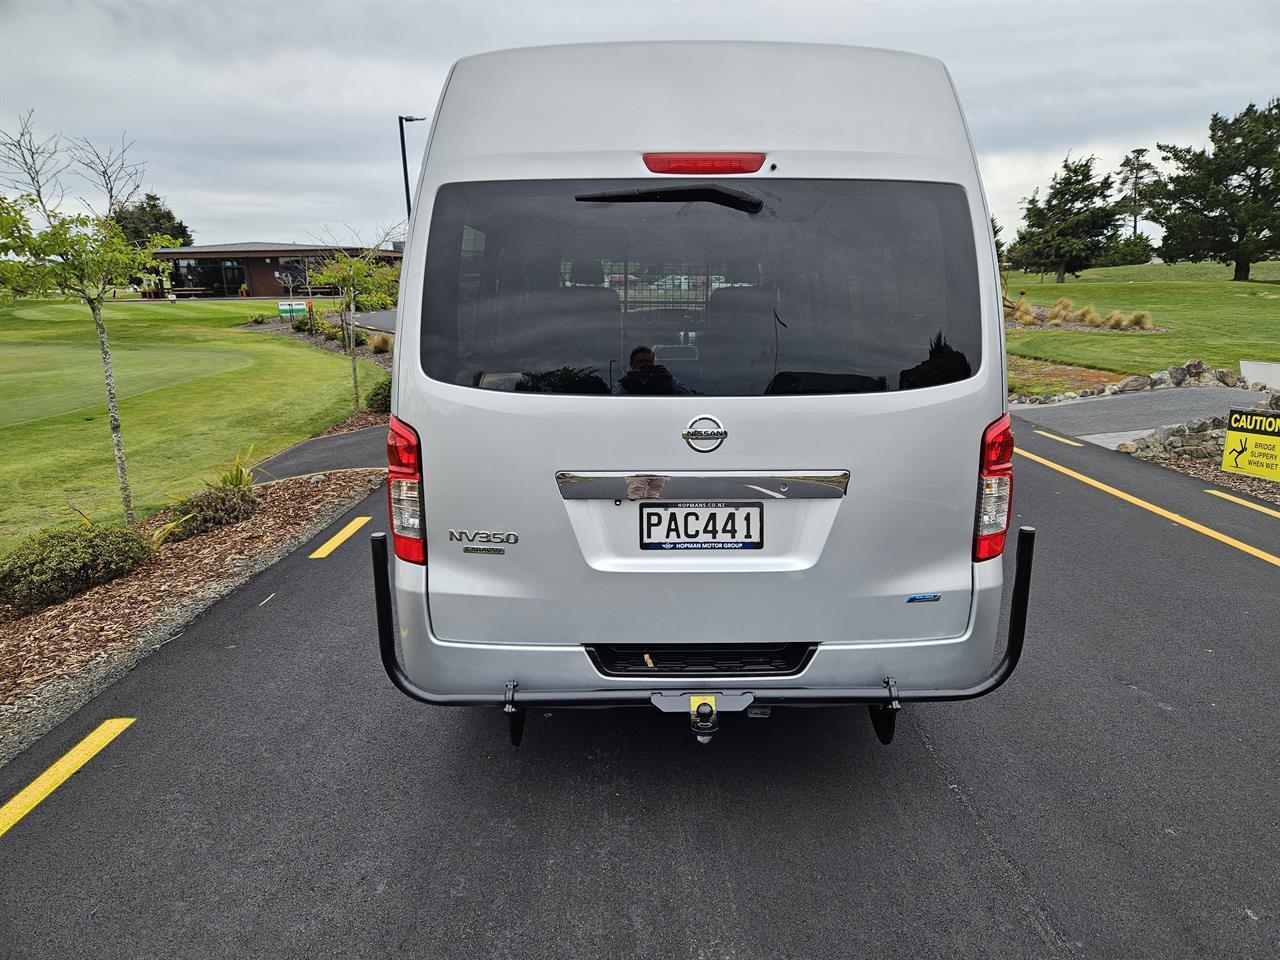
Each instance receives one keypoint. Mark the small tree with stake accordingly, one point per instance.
(1223, 203)
(354, 277)
(44, 250)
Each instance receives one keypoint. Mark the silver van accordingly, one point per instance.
(699, 392)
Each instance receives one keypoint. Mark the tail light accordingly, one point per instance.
(703, 163)
(995, 490)
(404, 491)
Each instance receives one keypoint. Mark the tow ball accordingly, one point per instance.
(702, 719)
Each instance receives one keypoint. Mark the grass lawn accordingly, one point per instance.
(1218, 321)
(194, 389)
(1268, 272)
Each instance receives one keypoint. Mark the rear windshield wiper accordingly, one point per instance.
(693, 192)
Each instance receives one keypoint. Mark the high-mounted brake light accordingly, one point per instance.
(995, 490)
(404, 491)
(703, 163)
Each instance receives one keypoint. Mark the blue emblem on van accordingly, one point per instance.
(924, 598)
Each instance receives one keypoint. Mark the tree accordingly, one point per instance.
(77, 255)
(1126, 251)
(1223, 203)
(996, 230)
(146, 217)
(357, 278)
(1137, 174)
(1073, 225)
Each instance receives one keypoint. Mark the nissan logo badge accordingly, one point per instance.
(704, 434)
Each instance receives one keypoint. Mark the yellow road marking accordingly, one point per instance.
(1051, 436)
(1244, 503)
(1158, 511)
(51, 779)
(339, 538)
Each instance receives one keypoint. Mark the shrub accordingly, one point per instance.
(381, 343)
(1024, 313)
(259, 318)
(1116, 320)
(1088, 316)
(212, 508)
(301, 324)
(374, 301)
(1059, 309)
(56, 565)
(379, 398)
(330, 331)
(239, 473)
(359, 337)
(1141, 320)
(1055, 321)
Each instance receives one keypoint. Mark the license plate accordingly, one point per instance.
(702, 525)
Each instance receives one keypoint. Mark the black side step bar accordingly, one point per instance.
(885, 695)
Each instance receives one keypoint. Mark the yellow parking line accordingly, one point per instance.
(1070, 443)
(1158, 511)
(51, 779)
(339, 538)
(1244, 503)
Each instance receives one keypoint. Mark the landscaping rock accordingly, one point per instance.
(1177, 376)
(1132, 384)
(1225, 377)
(1160, 378)
(1112, 389)
(1194, 367)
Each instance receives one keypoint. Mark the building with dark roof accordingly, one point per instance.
(253, 269)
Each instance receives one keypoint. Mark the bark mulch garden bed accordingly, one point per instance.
(54, 661)
(1267, 491)
(359, 421)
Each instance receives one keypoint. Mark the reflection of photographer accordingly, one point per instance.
(646, 378)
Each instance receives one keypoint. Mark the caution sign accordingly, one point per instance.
(1252, 445)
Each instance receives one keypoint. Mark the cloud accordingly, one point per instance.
(270, 121)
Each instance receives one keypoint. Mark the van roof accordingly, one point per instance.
(780, 98)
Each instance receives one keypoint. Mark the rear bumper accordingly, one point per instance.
(448, 673)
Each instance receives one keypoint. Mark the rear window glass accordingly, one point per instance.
(715, 288)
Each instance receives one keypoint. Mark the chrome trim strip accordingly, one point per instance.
(726, 485)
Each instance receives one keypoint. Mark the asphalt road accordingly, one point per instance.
(277, 797)
(384, 320)
(1145, 410)
(355, 448)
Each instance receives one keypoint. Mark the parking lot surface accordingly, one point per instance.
(275, 796)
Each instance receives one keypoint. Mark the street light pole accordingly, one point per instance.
(404, 163)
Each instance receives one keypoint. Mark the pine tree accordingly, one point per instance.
(1073, 225)
(1223, 203)
(1136, 176)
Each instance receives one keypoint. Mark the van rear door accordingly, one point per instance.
(682, 411)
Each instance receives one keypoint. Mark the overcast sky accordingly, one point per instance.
(273, 121)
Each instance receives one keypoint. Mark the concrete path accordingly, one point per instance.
(1108, 421)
